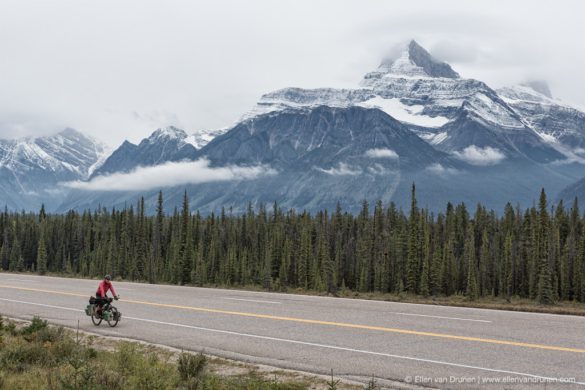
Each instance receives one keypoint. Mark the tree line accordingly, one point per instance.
(536, 253)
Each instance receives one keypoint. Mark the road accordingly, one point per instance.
(434, 346)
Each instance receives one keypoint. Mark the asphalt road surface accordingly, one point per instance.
(433, 346)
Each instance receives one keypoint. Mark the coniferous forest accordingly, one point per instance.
(537, 253)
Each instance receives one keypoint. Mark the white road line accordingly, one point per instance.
(446, 318)
(40, 304)
(334, 347)
(18, 280)
(254, 300)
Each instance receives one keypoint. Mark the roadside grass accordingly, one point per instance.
(39, 356)
(493, 303)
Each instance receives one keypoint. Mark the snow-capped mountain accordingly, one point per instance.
(163, 145)
(413, 119)
(556, 122)
(31, 168)
(449, 112)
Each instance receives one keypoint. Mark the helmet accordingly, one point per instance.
(108, 277)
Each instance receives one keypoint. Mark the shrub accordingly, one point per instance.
(126, 357)
(50, 334)
(35, 325)
(191, 366)
(18, 356)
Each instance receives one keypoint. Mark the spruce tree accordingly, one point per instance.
(413, 260)
(16, 260)
(544, 290)
(507, 278)
(42, 256)
(185, 256)
(472, 289)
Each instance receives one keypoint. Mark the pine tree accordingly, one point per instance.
(327, 265)
(304, 258)
(5, 254)
(485, 285)
(579, 271)
(157, 240)
(185, 256)
(140, 243)
(507, 279)
(472, 289)
(425, 279)
(42, 256)
(283, 272)
(544, 292)
(16, 260)
(413, 260)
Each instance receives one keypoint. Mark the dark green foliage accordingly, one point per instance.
(42, 257)
(35, 325)
(191, 368)
(472, 289)
(534, 253)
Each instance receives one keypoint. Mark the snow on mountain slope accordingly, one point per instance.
(31, 168)
(404, 113)
(413, 119)
(555, 121)
(163, 145)
(202, 138)
(428, 95)
(66, 152)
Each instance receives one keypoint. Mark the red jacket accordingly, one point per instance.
(103, 288)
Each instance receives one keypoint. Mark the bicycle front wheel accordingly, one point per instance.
(114, 317)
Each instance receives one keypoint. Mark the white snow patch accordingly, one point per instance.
(100, 161)
(403, 65)
(434, 138)
(475, 155)
(170, 174)
(546, 137)
(381, 153)
(404, 113)
(494, 112)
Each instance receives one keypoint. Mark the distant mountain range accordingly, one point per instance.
(32, 168)
(414, 119)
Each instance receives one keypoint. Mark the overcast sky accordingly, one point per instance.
(119, 69)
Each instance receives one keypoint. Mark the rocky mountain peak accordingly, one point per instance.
(169, 132)
(413, 60)
(539, 86)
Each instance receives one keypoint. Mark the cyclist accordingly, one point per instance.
(100, 296)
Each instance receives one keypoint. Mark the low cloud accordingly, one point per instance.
(441, 170)
(377, 169)
(381, 153)
(169, 175)
(480, 156)
(342, 170)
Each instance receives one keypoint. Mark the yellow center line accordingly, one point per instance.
(327, 323)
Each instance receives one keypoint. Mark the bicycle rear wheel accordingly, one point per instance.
(95, 319)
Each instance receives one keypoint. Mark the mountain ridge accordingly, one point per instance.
(413, 119)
